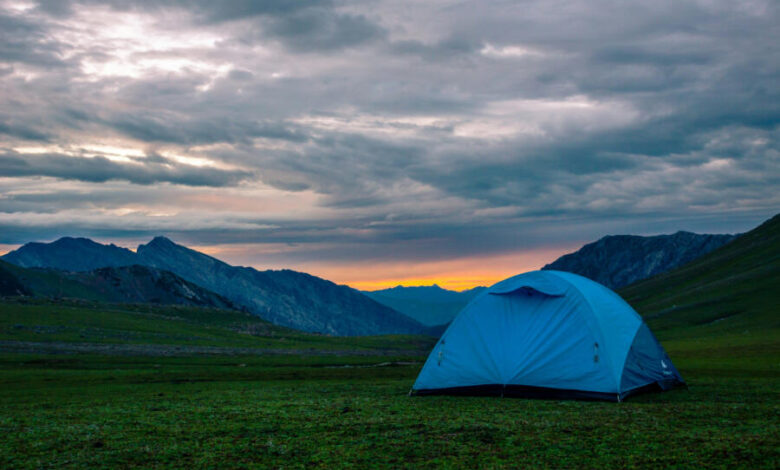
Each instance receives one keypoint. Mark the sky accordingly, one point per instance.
(377, 142)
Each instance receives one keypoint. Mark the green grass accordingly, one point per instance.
(35, 320)
(731, 290)
(295, 412)
(46, 282)
(313, 409)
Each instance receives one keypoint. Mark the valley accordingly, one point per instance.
(89, 383)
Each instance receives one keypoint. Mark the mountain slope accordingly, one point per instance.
(48, 326)
(430, 305)
(288, 298)
(10, 285)
(71, 254)
(132, 284)
(732, 290)
(127, 284)
(619, 260)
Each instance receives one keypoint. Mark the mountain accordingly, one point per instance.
(288, 298)
(619, 260)
(10, 285)
(125, 284)
(733, 289)
(430, 305)
(71, 254)
(142, 284)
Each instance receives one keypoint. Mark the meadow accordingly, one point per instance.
(291, 400)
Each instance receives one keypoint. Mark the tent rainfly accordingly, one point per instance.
(547, 334)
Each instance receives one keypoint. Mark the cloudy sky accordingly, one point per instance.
(376, 142)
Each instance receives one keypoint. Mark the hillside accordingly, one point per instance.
(732, 290)
(619, 260)
(430, 305)
(9, 284)
(288, 298)
(126, 284)
(44, 326)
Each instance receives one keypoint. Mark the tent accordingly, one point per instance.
(547, 334)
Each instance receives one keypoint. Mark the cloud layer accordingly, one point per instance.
(340, 133)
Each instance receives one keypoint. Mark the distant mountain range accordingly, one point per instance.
(288, 298)
(429, 305)
(620, 260)
(162, 271)
(125, 284)
(615, 261)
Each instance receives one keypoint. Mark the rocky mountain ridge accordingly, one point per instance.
(71, 254)
(620, 260)
(287, 298)
(123, 284)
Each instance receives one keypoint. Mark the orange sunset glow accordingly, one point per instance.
(454, 274)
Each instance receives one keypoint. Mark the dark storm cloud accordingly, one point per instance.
(300, 25)
(22, 132)
(621, 54)
(349, 169)
(318, 29)
(173, 129)
(241, 9)
(205, 9)
(303, 26)
(110, 195)
(447, 128)
(98, 169)
(445, 49)
(24, 41)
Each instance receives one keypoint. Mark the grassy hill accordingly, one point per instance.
(44, 282)
(75, 326)
(722, 309)
(734, 286)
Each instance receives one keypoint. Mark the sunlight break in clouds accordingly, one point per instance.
(508, 51)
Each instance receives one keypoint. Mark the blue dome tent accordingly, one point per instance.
(547, 334)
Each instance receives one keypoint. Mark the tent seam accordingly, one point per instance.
(597, 326)
(623, 369)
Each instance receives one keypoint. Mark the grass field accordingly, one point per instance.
(92, 411)
(319, 409)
